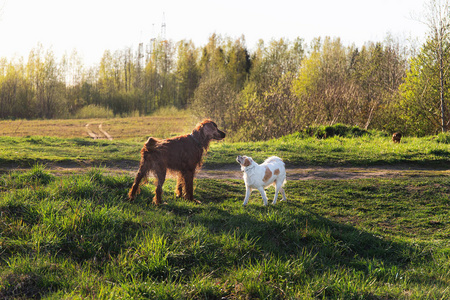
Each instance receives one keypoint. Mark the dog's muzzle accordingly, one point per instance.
(222, 134)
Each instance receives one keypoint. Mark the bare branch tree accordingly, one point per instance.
(437, 19)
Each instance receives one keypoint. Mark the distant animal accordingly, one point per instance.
(182, 155)
(396, 137)
(270, 172)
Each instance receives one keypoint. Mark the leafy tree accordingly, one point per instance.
(378, 71)
(213, 55)
(271, 115)
(266, 102)
(326, 93)
(270, 63)
(238, 63)
(420, 108)
(15, 92)
(187, 73)
(73, 78)
(160, 81)
(432, 66)
(215, 98)
(45, 78)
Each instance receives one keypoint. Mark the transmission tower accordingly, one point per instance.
(163, 27)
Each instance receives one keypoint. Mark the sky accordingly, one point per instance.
(93, 26)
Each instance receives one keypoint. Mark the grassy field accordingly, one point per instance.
(74, 236)
(165, 123)
(296, 151)
(25, 143)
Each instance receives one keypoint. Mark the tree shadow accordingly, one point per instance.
(334, 245)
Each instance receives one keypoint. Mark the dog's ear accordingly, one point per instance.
(209, 129)
(247, 161)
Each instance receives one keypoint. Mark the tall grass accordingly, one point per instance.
(76, 237)
(93, 111)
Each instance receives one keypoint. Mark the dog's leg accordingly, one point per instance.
(189, 185)
(277, 189)
(247, 195)
(142, 173)
(263, 194)
(284, 195)
(180, 185)
(282, 181)
(161, 176)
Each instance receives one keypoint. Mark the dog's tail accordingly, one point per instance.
(149, 146)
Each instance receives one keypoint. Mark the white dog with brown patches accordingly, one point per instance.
(270, 172)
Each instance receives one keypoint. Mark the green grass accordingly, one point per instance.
(75, 237)
(26, 151)
(368, 150)
(296, 150)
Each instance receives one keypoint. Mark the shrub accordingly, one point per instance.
(443, 137)
(323, 132)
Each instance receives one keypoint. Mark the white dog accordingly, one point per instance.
(271, 171)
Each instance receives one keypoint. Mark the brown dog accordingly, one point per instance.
(396, 137)
(181, 154)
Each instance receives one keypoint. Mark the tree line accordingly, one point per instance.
(279, 88)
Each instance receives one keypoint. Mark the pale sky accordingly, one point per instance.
(93, 26)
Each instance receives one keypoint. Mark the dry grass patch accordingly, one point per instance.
(118, 128)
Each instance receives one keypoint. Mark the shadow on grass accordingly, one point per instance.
(217, 236)
(289, 229)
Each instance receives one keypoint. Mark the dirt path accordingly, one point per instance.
(331, 173)
(293, 173)
(103, 134)
(100, 127)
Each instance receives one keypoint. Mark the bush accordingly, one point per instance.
(444, 138)
(323, 132)
(93, 111)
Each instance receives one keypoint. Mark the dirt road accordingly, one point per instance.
(331, 173)
(233, 171)
(103, 134)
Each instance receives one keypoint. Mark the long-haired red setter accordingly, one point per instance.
(181, 154)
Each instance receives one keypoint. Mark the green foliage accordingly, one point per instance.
(30, 150)
(347, 84)
(280, 88)
(420, 109)
(214, 98)
(77, 237)
(93, 111)
(340, 130)
(187, 73)
(443, 138)
(37, 176)
(266, 106)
